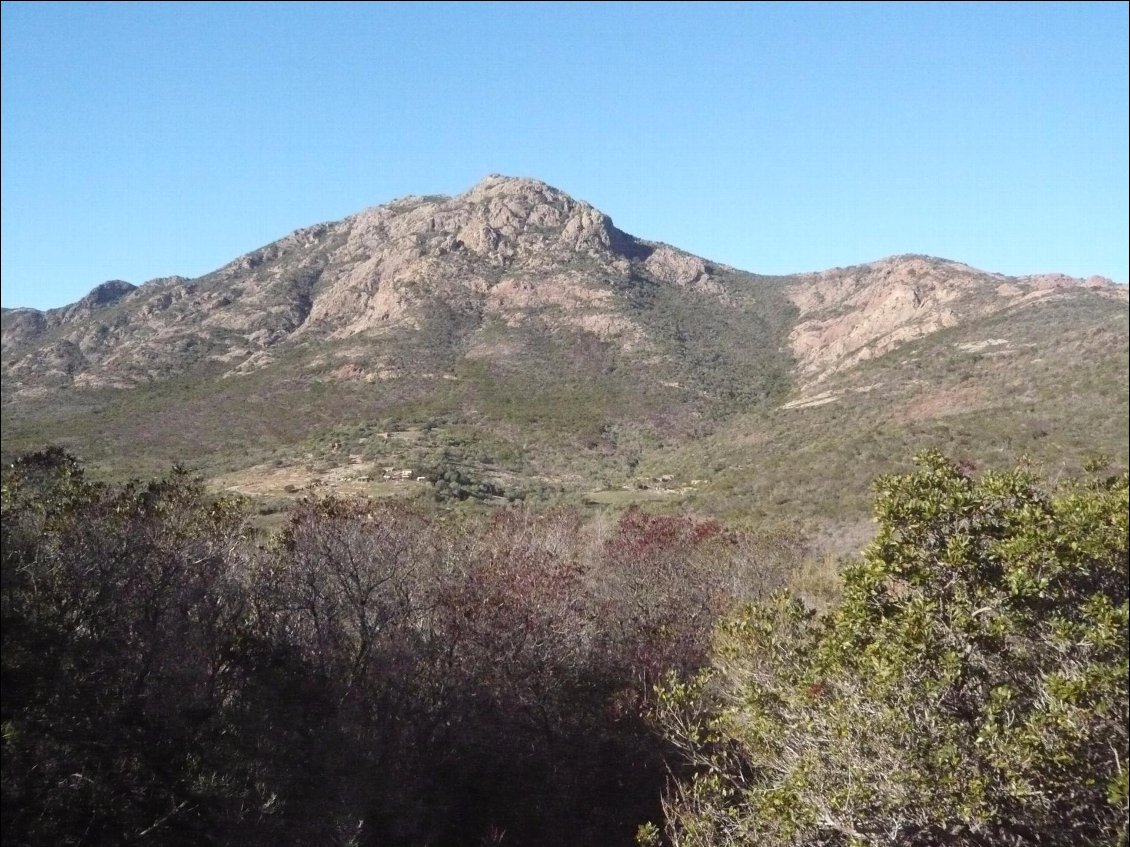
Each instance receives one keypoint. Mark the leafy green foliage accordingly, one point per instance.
(970, 689)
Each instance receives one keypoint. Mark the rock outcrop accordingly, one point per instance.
(511, 250)
(512, 253)
(850, 315)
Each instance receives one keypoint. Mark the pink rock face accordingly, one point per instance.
(507, 248)
(515, 251)
(849, 315)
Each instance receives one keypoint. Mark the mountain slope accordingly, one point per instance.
(1044, 378)
(512, 335)
(512, 252)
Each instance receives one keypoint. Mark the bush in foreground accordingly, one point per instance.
(970, 690)
(370, 674)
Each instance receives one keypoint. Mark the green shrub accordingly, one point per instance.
(970, 689)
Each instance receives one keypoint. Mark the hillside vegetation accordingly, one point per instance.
(375, 674)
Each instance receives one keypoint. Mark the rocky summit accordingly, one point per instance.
(509, 250)
(514, 333)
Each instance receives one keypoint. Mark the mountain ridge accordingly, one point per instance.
(515, 315)
(357, 275)
(494, 180)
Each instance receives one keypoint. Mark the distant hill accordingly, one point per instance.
(512, 342)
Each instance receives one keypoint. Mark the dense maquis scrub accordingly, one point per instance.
(971, 688)
(381, 674)
(371, 674)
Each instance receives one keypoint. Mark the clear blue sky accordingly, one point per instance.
(148, 140)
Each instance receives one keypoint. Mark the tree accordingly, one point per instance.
(121, 618)
(971, 689)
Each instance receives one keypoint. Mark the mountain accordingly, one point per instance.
(513, 252)
(511, 341)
